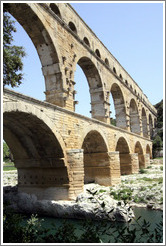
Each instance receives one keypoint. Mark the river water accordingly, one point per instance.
(152, 216)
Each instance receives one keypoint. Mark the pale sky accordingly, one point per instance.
(132, 32)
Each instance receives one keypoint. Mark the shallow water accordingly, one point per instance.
(152, 216)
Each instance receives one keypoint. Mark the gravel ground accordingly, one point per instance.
(141, 190)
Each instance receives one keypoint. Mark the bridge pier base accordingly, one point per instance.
(134, 162)
(147, 160)
(115, 175)
(76, 172)
(45, 183)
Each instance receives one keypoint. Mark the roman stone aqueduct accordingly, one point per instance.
(56, 150)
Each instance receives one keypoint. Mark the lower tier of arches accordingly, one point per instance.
(57, 183)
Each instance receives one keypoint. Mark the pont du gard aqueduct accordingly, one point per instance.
(56, 151)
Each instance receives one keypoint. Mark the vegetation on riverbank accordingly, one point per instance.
(144, 188)
(17, 229)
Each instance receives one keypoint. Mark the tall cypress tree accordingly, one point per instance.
(12, 55)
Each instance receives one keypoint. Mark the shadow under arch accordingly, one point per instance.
(144, 123)
(124, 155)
(148, 151)
(150, 126)
(32, 22)
(119, 104)
(139, 151)
(134, 118)
(95, 87)
(38, 155)
(96, 159)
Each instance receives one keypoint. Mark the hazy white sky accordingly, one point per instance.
(133, 32)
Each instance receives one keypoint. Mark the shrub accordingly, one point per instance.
(142, 171)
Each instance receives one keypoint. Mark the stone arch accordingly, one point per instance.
(139, 151)
(150, 126)
(55, 9)
(86, 41)
(96, 159)
(148, 151)
(24, 108)
(95, 86)
(120, 76)
(106, 62)
(38, 154)
(144, 123)
(114, 69)
(72, 27)
(90, 129)
(26, 14)
(134, 117)
(119, 106)
(124, 155)
(98, 53)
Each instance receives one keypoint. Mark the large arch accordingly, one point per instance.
(96, 159)
(124, 155)
(95, 87)
(134, 117)
(139, 151)
(38, 154)
(32, 22)
(150, 126)
(144, 123)
(119, 106)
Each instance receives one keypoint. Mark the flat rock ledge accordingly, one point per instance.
(88, 205)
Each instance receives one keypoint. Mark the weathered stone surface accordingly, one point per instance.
(56, 150)
(84, 207)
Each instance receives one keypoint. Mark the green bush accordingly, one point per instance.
(142, 171)
(124, 194)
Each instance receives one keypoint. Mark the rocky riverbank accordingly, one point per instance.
(97, 202)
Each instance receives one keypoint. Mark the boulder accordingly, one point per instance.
(87, 206)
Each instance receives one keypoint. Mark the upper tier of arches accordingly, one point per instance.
(59, 62)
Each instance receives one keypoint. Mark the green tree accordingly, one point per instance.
(12, 55)
(6, 151)
(158, 136)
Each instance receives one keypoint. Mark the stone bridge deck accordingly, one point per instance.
(56, 150)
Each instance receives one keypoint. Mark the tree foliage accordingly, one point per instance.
(12, 54)
(159, 107)
(6, 151)
(158, 136)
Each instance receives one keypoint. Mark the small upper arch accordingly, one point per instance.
(72, 27)
(98, 53)
(106, 62)
(55, 9)
(86, 41)
(114, 69)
